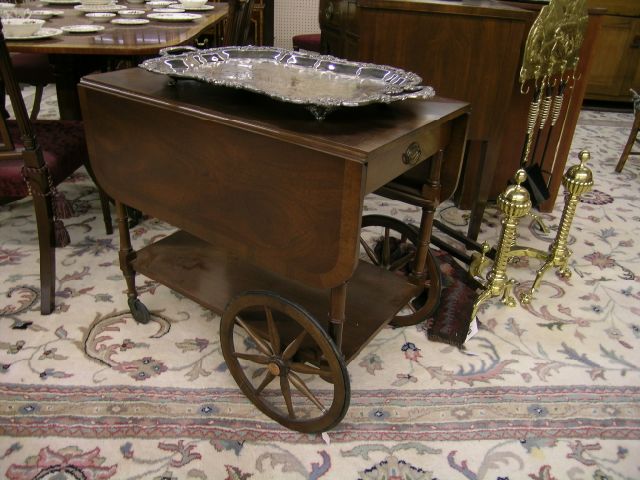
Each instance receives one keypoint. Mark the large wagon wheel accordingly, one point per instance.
(284, 362)
(392, 245)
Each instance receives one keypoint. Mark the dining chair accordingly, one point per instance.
(33, 69)
(633, 135)
(35, 157)
(307, 41)
(238, 22)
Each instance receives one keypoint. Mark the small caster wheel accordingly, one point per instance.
(139, 311)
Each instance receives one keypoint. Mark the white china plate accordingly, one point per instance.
(130, 21)
(203, 8)
(168, 10)
(100, 8)
(53, 13)
(39, 35)
(82, 28)
(174, 17)
(131, 13)
(61, 2)
(160, 3)
(100, 17)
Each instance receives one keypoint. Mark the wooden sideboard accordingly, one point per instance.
(470, 50)
(616, 56)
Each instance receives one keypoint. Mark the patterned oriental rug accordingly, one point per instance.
(549, 391)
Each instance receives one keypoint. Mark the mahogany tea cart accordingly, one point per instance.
(268, 202)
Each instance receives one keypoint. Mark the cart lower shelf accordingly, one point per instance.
(211, 277)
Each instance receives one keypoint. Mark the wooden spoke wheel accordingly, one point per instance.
(392, 245)
(284, 362)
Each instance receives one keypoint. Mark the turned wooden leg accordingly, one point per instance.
(632, 139)
(338, 309)
(106, 211)
(126, 255)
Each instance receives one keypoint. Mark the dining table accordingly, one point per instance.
(74, 54)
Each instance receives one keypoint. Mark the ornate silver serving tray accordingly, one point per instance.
(320, 82)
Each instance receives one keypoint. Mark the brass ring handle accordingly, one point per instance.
(412, 154)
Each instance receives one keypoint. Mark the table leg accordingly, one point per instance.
(480, 195)
(431, 192)
(66, 87)
(337, 314)
(126, 255)
(68, 69)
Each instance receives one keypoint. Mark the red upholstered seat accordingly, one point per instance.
(63, 147)
(309, 41)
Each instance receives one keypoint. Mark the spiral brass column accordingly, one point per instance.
(514, 203)
(577, 180)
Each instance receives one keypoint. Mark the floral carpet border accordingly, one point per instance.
(459, 414)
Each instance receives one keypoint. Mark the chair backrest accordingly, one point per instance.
(238, 22)
(32, 153)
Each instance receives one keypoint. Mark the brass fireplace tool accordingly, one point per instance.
(550, 59)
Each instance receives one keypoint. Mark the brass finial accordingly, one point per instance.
(584, 156)
(578, 179)
(515, 200)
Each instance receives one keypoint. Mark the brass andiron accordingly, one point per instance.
(514, 203)
(549, 64)
(576, 180)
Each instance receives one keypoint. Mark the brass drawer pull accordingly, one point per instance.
(412, 154)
